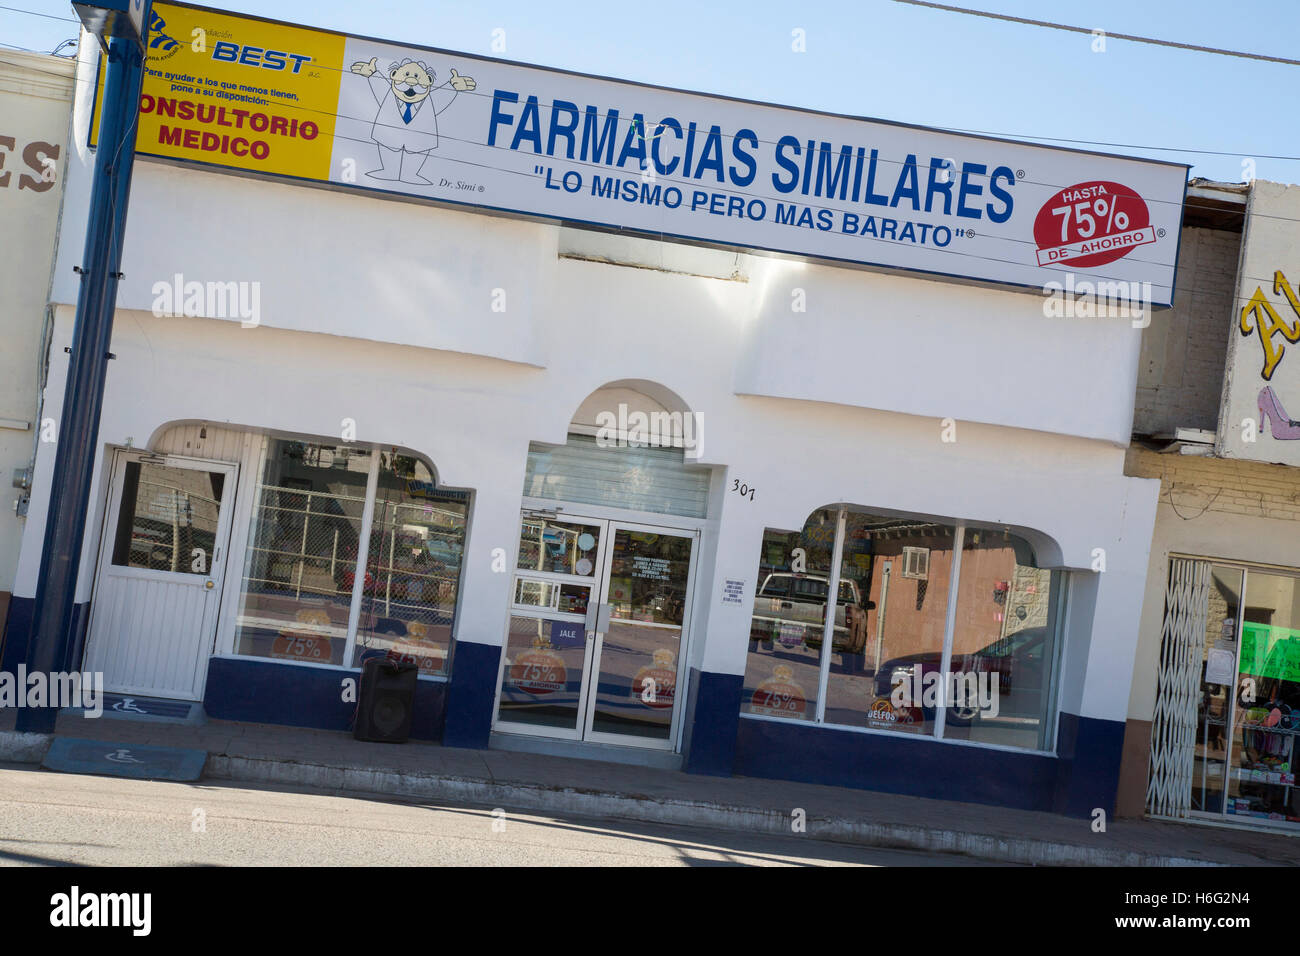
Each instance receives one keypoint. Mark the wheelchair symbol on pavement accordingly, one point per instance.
(122, 755)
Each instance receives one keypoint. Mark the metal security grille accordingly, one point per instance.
(306, 543)
(1182, 651)
(642, 478)
(414, 561)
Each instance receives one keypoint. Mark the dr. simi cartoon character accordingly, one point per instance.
(407, 120)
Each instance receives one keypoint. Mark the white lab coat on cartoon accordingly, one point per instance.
(419, 134)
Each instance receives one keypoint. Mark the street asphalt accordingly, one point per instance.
(69, 819)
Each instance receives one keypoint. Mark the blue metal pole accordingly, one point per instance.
(76, 448)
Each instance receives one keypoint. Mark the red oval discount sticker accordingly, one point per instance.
(1091, 224)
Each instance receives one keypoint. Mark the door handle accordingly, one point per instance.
(602, 618)
(593, 615)
(209, 584)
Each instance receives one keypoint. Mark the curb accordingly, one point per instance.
(19, 747)
(609, 805)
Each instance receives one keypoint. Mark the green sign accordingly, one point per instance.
(1268, 651)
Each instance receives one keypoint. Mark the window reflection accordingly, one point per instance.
(785, 635)
(1002, 647)
(560, 547)
(889, 625)
(168, 518)
(413, 567)
(302, 552)
(1261, 781)
(900, 568)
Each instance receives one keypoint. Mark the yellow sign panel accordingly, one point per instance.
(238, 92)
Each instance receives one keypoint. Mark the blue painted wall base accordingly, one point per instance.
(18, 632)
(473, 688)
(712, 722)
(1082, 777)
(1090, 751)
(920, 767)
(18, 628)
(267, 692)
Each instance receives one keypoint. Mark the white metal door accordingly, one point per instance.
(158, 584)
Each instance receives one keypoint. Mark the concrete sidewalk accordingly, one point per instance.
(326, 760)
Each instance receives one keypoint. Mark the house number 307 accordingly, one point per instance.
(744, 489)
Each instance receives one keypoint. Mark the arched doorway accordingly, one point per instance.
(601, 605)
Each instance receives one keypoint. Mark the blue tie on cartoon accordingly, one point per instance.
(406, 123)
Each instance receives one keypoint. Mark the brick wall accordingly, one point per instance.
(1193, 484)
(1180, 372)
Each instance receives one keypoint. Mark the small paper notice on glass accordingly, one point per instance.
(1218, 666)
(733, 592)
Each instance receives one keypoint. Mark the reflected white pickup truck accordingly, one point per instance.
(790, 609)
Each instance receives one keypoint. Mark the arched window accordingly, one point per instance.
(301, 598)
(937, 628)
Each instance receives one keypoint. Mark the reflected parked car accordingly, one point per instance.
(790, 609)
(1017, 659)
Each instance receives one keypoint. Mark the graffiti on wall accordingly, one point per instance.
(1260, 317)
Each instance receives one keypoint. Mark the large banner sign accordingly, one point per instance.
(269, 97)
(1262, 380)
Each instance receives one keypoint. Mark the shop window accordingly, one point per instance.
(897, 659)
(413, 567)
(302, 552)
(782, 672)
(298, 599)
(1261, 771)
(1003, 643)
(889, 632)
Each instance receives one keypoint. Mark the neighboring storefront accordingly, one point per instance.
(35, 107)
(1211, 730)
(600, 482)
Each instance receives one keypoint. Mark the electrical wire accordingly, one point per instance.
(1021, 137)
(35, 13)
(1195, 48)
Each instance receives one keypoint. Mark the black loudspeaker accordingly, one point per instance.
(386, 701)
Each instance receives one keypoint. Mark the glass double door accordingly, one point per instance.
(597, 630)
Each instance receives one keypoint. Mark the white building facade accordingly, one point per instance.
(412, 430)
(36, 104)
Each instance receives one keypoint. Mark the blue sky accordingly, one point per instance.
(884, 59)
